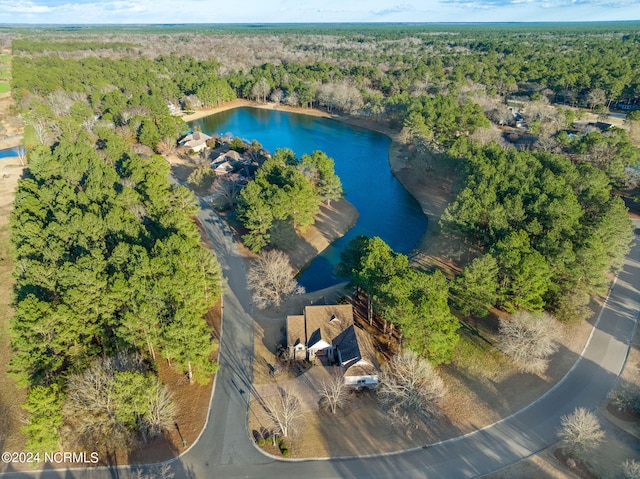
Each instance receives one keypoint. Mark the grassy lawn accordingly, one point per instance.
(4, 87)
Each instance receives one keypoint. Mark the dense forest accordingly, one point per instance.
(548, 231)
(568, 60)
(110, 274)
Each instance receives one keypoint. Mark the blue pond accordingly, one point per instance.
(9, 152)
(386, 209)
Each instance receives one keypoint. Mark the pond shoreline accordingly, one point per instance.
(397, 157)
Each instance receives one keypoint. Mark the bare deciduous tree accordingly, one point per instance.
(22, 155)
(101, 407)
(501, 114)
(276, 96)
(126, 134)
(631, 469)
(166, 146)
(191, 102)
(229, 189)
(333, 393)
(153, 472)
(596, 97)
(600, 153)
(42, 131)
(580, 432)
(261, 90)
(529, 339)
(410, 382)
(292, 99)
(341, 96)
(161, 411)
(59, 102)
(90, 409)
(547, 143)
(487, 135)
(284, 410)
(272, 279)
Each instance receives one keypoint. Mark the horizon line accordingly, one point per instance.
(267, 23)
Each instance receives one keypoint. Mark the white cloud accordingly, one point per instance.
(23, 7)
(393, 9)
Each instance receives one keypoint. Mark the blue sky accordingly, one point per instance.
(281, 11)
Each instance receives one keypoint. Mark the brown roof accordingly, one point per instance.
(367, 353)
(233, 155)
(223, 168)
(327, 322)
(295, 330)
(334, 325)
(195, 139)
(322, 323)
(229, 155)
(361, 370)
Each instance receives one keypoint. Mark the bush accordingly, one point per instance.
(285, 452)
(261, 442)
(626, 398)
(409, 382)
(202, 177)
(631, 469)
(238, 145)
(573, 308)
(529, 339)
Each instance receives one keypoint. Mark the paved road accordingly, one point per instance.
(225, 450)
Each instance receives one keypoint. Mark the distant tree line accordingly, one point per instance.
(347, 69)
(30, 46)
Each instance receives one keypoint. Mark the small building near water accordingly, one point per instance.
(196, 141)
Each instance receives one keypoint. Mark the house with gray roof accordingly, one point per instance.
(327, 335)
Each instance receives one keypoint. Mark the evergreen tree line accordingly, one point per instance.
(413, 301)
(108, 261)
(546, 231)
(285, 197)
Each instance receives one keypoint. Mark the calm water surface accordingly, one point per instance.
(9, 152)
(386, 209)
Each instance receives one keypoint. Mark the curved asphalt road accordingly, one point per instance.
(224, 449)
